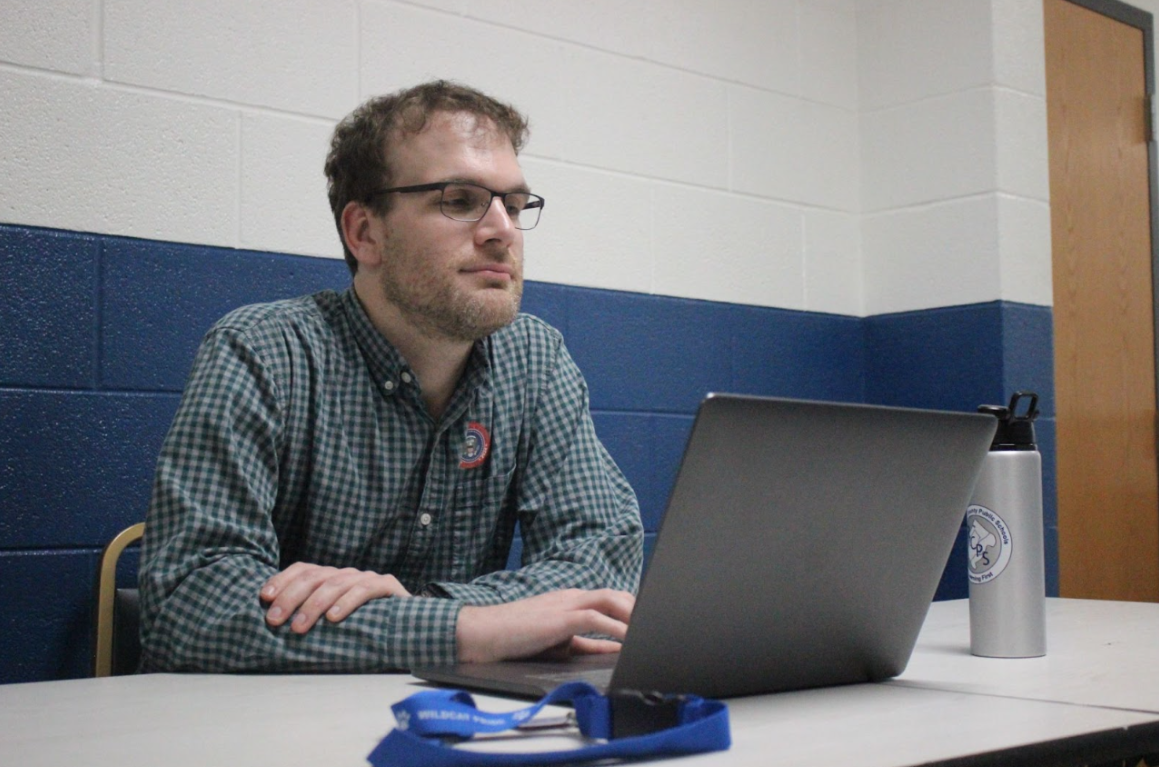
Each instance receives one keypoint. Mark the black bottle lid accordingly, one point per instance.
(1015, 431)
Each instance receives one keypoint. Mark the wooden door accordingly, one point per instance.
(1104, 342)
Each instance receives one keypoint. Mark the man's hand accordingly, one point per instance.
(307, 592)
(547, 622)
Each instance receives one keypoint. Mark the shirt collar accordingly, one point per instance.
(385, 363)
(388, 367)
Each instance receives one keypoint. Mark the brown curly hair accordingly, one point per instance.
(356, 164)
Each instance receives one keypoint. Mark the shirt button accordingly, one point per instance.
(425, 519)
(406, 377)
(389, 386)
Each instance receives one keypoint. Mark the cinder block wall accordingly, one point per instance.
(840, 199)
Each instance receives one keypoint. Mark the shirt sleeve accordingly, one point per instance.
(210, 542)
(578, 516)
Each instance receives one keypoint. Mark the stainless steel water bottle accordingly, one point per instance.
(1004, 526)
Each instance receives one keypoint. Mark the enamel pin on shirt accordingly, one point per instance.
(476, 446)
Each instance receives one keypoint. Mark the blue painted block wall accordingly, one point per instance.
(99, 333)
(957, 358)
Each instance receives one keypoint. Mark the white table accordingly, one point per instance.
(1098, 654)
(947, 706)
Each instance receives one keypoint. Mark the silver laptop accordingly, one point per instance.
(802, 546)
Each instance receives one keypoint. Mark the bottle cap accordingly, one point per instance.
(1015, 431)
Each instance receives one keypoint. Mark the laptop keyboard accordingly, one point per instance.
(596, 677)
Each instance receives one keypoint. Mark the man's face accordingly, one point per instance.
(449, 279)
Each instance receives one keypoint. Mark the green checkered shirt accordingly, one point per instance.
(302, 436)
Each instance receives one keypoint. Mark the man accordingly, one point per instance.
(341, 483)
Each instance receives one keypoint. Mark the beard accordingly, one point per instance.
(437, 304)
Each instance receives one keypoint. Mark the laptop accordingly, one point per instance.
(801, 547)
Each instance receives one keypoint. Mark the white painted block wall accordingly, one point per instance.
(955, 179)
(847, 156)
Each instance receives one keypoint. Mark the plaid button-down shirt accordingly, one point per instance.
(302, 436)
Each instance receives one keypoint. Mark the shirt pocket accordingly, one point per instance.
(483, 521)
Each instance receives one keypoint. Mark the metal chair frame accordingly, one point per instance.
(106, 597)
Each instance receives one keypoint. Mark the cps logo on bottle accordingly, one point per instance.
(990, 544)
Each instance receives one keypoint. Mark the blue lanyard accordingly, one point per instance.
(628, 725)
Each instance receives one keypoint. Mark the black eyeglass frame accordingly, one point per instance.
(533, 201)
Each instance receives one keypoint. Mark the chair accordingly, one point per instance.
(117, 646)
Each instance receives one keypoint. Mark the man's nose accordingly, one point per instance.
(496, 222)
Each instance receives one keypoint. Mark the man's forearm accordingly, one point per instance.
(214, 622)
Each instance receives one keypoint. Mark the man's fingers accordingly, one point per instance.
(289, 590)
(603, 611)
(274, 586)
(592, 621)
(614, 604)
(325, 588)
(589, 646)
(606, 601)
(303, 593)
(373, 587)
(579, 646)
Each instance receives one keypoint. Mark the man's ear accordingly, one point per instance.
(362, 231)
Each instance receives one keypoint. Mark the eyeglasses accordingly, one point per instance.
(470, 202)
